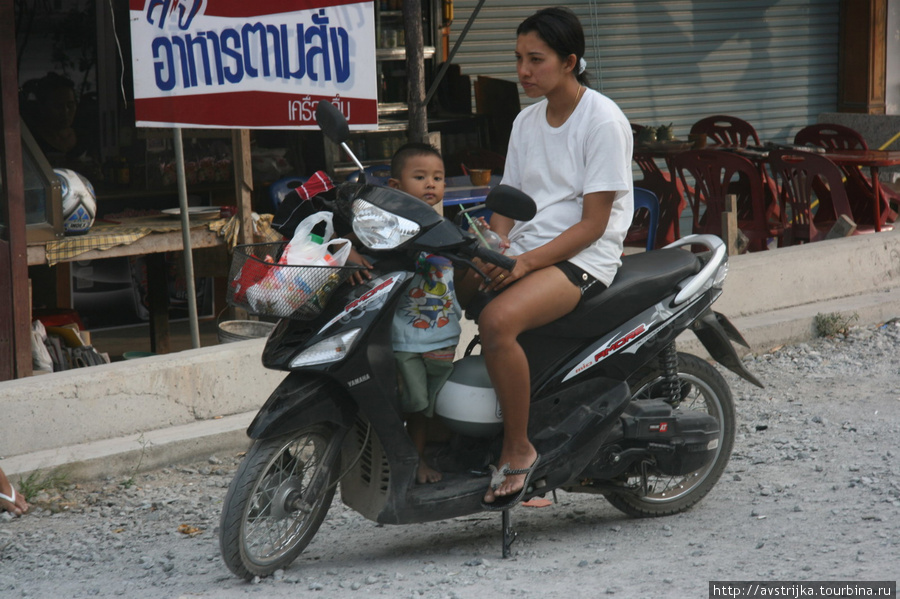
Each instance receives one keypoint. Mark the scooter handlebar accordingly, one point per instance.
(493, 257)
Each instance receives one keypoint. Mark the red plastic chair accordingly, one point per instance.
(717, 173)
(859, 188)
(726, 130)
(669, 193)
(799, 175)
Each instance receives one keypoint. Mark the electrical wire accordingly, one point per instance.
(112, 16)
(362, 450)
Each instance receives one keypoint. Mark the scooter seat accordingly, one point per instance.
(643, 280)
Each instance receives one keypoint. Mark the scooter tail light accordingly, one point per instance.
(326, 351)
(719, 279)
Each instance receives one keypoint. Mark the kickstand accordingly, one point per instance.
(509, 535)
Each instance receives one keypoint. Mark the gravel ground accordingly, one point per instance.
(812, 493)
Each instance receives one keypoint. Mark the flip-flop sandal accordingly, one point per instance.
(499, 475)
(11, 499)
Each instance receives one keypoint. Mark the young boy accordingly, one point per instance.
(426, 325)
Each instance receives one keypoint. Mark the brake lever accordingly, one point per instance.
(457, 259)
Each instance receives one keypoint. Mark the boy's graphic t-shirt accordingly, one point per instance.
(428, 315)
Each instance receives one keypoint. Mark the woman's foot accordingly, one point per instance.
(512, 483)
(12, 502)
(427, 474)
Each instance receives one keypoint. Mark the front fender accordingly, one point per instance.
(716, 333)
(300, 399)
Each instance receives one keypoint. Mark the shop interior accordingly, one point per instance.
(75, 79)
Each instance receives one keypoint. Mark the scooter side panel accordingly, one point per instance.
(299, 400)
(570, 443)
(626, 349)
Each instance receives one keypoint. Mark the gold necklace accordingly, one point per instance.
(577, 95)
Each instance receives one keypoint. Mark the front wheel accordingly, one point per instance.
(267, 518)
(702, 389)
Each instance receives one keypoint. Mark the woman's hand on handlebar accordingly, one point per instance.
(500, 278)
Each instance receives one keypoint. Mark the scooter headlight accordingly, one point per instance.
(332, 349)
(379, 229)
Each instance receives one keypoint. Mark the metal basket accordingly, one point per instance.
(259, 285)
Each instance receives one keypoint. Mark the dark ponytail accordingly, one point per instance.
(561, 30)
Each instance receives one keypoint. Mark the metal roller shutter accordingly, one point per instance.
(773, 63)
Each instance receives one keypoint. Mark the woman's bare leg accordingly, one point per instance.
(539, 298)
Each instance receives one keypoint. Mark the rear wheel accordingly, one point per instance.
(702, 389)
(267, 519)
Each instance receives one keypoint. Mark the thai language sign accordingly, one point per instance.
(261, 64)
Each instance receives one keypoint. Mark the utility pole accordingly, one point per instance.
(415, 66)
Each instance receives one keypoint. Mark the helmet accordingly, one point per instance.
(79, 202)
(467, 402)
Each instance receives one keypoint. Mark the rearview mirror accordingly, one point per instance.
(511, 202)
(332, 122)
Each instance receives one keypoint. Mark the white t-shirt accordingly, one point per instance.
(590, 152)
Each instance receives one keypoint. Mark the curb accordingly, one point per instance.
(137, 453)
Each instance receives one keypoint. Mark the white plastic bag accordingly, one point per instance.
(338, 251)
(288, 286)
(308, 249)
(40, 355)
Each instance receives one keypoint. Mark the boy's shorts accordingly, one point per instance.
(421, 377)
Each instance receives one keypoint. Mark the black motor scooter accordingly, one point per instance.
(615, 410)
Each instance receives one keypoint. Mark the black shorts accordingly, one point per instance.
(588, 285)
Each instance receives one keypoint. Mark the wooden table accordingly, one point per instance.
(150, 244)
(153, 245)
(462, 196)
(460, 191)
(874, 159)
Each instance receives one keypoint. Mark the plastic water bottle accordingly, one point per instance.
(488, 238)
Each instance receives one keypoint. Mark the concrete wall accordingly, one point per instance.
(133, 396)
(764, 282)
(771, 296)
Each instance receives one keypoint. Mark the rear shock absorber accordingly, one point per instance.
(668, 364)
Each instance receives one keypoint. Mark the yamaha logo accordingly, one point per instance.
(358, 380)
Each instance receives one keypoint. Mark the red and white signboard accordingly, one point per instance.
(252, 64)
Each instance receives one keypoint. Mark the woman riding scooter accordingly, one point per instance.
(571, 152)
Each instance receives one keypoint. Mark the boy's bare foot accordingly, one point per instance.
(427, 474)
